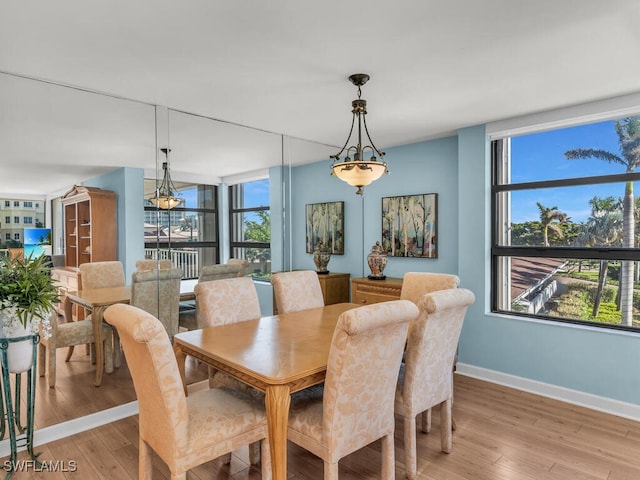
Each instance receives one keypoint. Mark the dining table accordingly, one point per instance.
(276, 354)
(96, 300)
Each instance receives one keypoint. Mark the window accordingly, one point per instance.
(28, 220)
(7, 220)
(250, 225)
(37, 205)
(27, 204)
(186, 234)
(7, 236)
(16, 203)
(16, 236)
(7, 203)
(565, 238)
(16, 219)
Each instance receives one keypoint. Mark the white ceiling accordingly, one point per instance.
(281, 66)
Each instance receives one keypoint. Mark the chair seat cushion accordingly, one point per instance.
(233, 413)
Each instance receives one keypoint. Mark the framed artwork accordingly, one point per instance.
(409, 225)
(325, 223)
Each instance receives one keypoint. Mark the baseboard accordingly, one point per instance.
(65, 429)
(575, 397)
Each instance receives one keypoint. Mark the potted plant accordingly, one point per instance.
(27, 297)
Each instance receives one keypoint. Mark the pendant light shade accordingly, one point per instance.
(165, 197)
(357, 171)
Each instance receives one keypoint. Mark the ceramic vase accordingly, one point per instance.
(321, 257)
(377, 260)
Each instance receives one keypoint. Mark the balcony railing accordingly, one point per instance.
(186, 260)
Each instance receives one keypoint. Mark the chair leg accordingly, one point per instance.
(330, 471)
(388, 458)
(42, 352)
(116, 349)
(145, 455)
(410, 460)
(446, 435)
(69, 353)
(51, 360)
(254, 453)
(265, 454)
(108, 354)
(426, 421)
(226, 458)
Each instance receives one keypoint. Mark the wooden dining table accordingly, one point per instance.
(278, 355)
(97, 300)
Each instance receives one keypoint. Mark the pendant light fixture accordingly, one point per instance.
(359, 172)
(165, 197)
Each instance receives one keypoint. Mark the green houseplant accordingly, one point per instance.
(27, 297)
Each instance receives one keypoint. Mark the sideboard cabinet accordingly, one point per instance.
(90, 227)
(366, 291)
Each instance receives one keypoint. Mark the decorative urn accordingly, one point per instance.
(321, 257)
(377, 260)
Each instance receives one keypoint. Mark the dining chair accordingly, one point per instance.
(297, 290)
(426, 379)
(184, 431)
(243, 263)
(158, 292)
(414, 286)
(362, 371)
(68, 334)
(208, 273)
(153, 264)
(105, 274)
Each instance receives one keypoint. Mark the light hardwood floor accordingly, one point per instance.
(502, 434)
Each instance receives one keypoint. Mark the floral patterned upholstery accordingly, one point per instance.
(158, 292)
(299, 290)
(426, 380)
(152, 264)
(67, 334)
(362, 371)
(416, 284)
(183, 431)
(102, 275)
(209, 273)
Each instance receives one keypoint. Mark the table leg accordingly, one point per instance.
(96, 319)
(181, 358)
(277, 401)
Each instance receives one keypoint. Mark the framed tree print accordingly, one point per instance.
(409, 225)
(325, 223)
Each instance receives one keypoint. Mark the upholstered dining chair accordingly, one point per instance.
(68, 334)
(152, 264)
(426, 379)
(298, 290)
(362, 371)
(183, 431)
(158, 292)
(105, 274)
(414, 286)
(209, 273)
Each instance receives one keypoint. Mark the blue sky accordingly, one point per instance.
(541, 156)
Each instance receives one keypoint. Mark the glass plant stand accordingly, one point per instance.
(20, 435)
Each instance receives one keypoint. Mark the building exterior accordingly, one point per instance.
(16, 215)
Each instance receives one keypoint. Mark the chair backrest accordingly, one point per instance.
(416, 284)
(299, 290)
(226, 301)
(151, 264)
(362, 373)
(158, 292)
(239, 261)
(219, 271)
(102, 274)
(161, 399)
(431, 347)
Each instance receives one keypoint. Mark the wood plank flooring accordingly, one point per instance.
(502, 434)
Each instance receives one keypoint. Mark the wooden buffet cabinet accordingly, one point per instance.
(366, 291)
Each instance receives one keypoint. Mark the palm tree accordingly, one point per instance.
(551, 219)
(628, 131)
(602, 229)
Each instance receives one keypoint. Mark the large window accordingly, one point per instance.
(186, 234)
(565, 239)
(250, 226)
